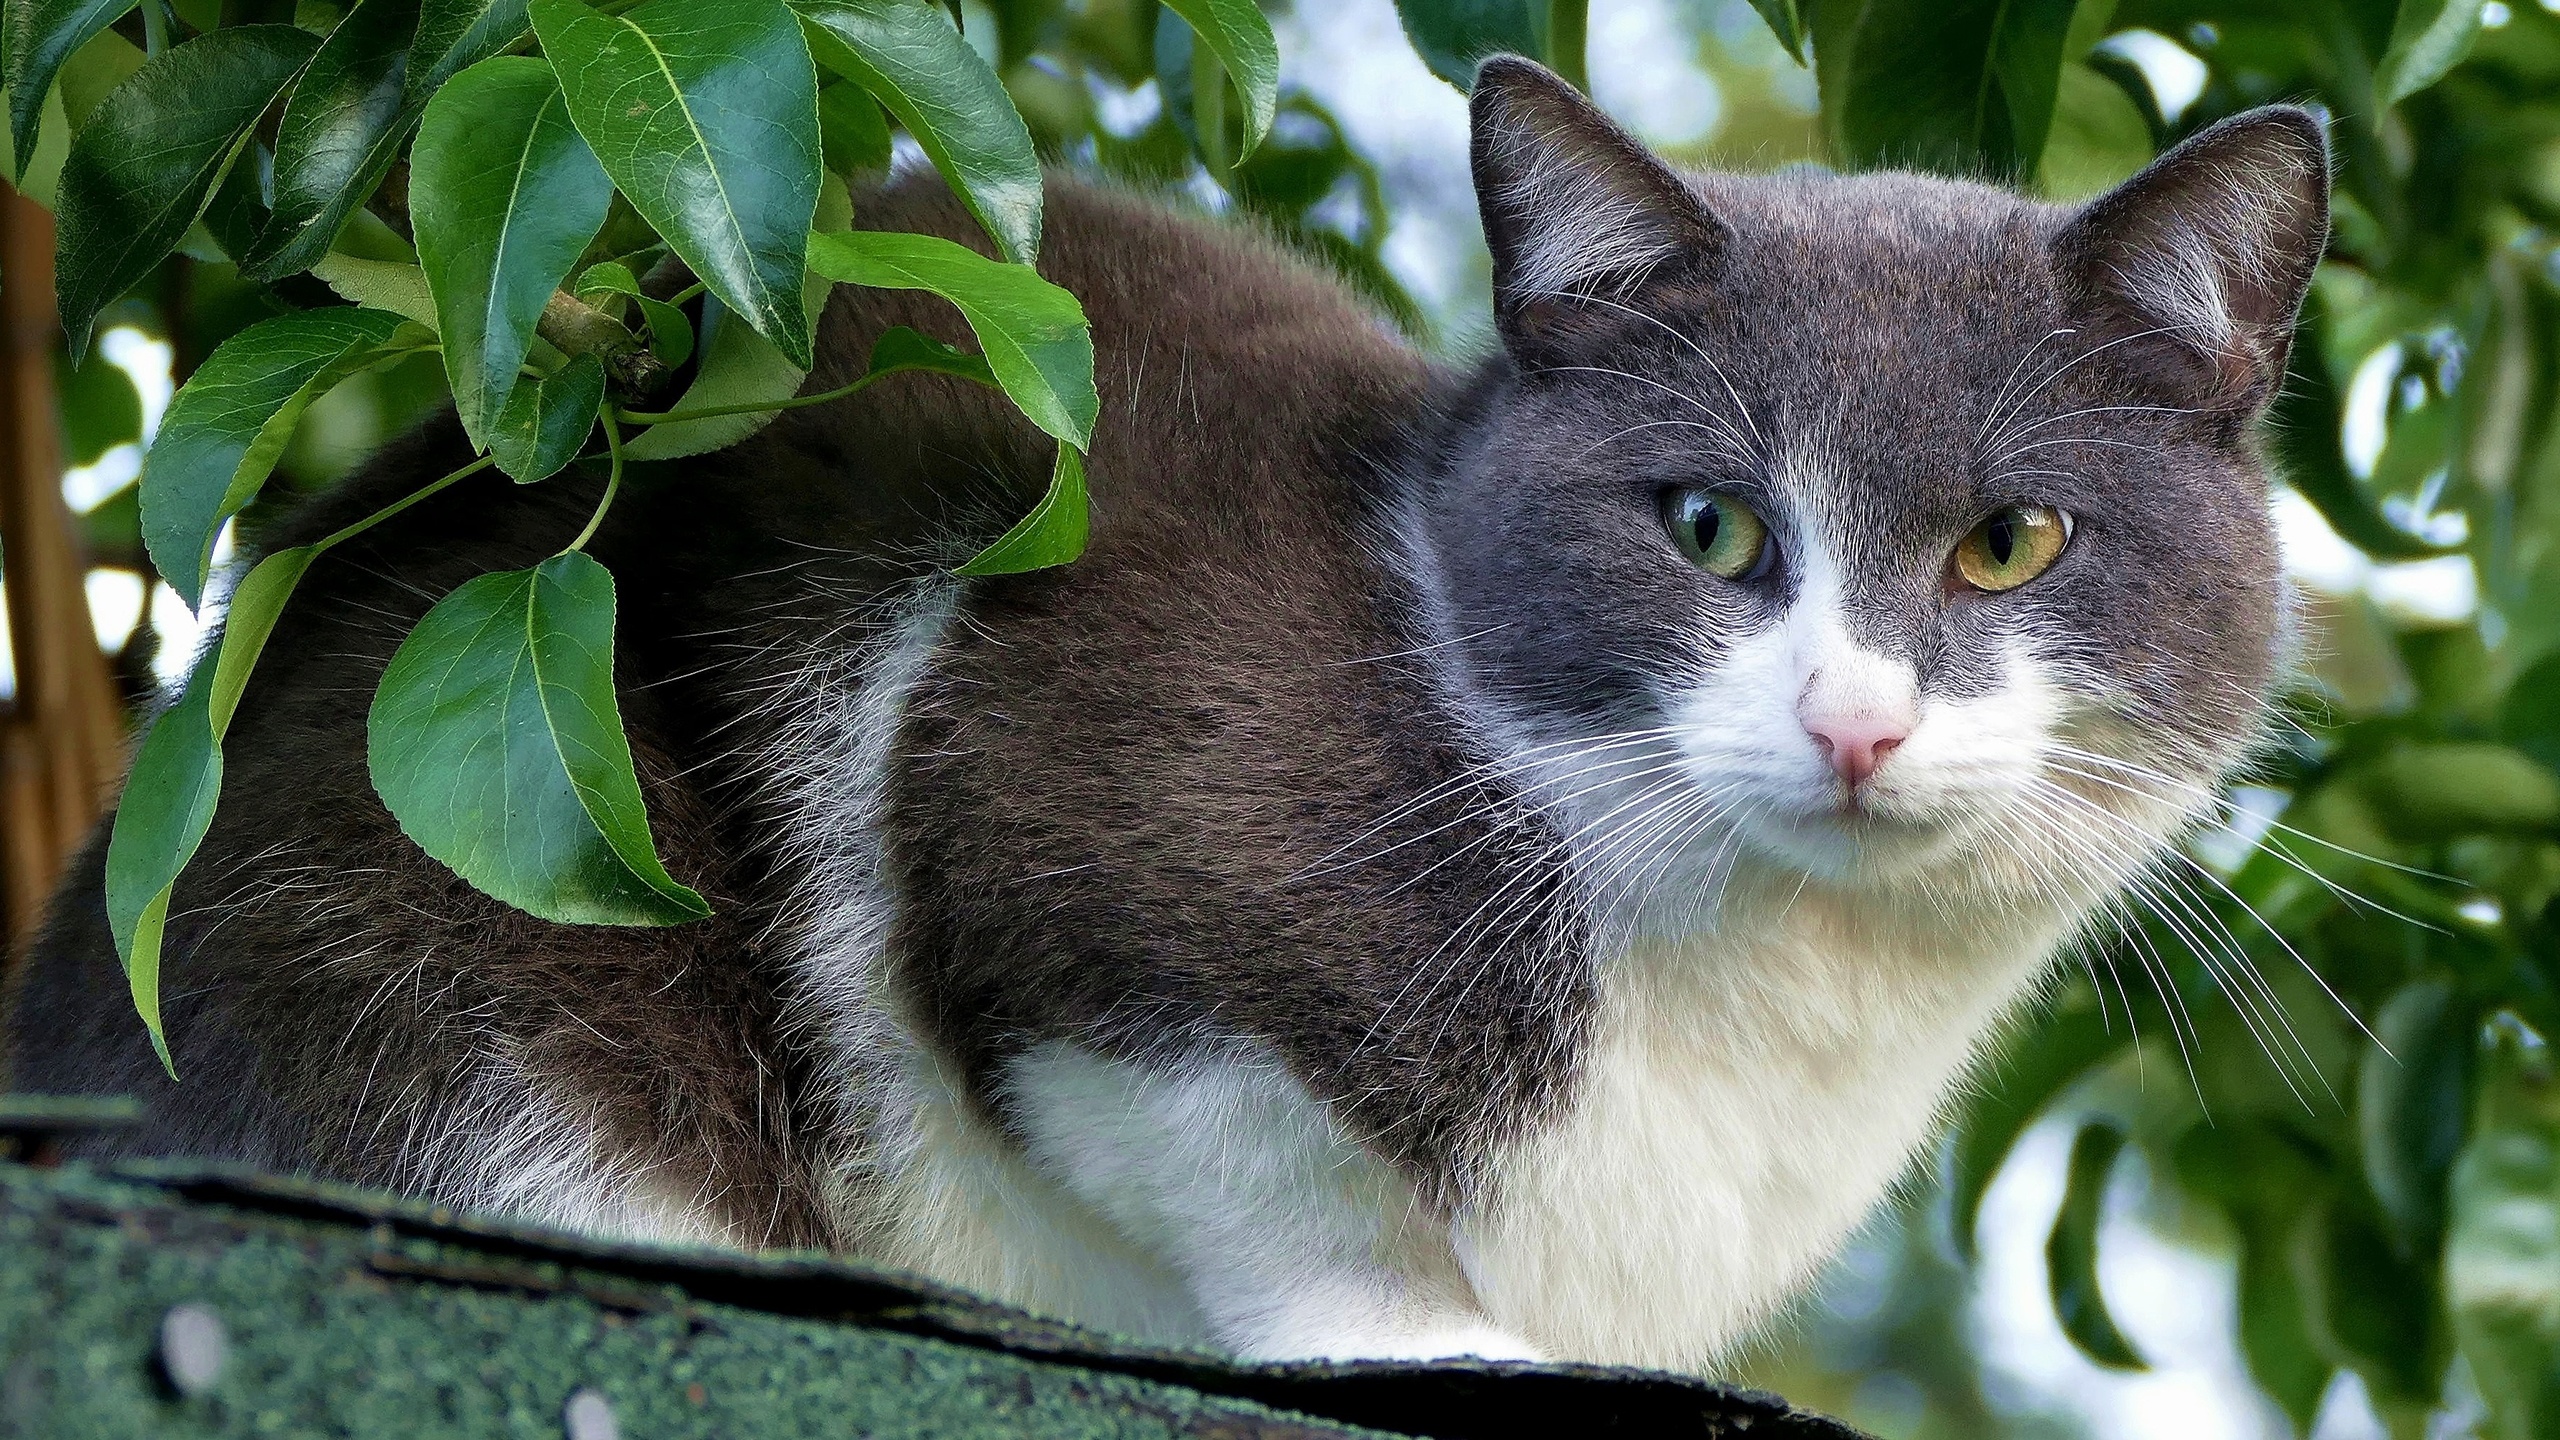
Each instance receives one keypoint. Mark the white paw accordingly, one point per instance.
(1473, 1341)
(1451, 1341)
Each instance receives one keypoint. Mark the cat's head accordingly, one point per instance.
(1883, 528)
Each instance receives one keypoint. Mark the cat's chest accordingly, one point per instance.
(1740, 1102)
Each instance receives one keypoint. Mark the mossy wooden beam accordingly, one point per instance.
(203, 1302)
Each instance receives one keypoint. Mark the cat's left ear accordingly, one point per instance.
(1578, 214)
(2202, 259)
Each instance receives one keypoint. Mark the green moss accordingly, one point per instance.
(346, 1314)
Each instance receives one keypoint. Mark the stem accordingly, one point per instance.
(577, 328)
(711, 412)
(404, 502)
(687, 293)
(612, 485)
(155, 27)
(1569, 41)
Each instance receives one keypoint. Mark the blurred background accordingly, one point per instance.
(2279, 1157)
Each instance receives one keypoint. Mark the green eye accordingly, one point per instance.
(2012, 547)
(1718, 533)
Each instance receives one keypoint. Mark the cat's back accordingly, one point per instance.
(1233, 372)
(341, 1003)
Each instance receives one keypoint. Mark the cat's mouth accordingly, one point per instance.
(1858, 837)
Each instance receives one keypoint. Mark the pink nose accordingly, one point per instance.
(1855, 744)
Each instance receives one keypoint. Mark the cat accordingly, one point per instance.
(1506, 862)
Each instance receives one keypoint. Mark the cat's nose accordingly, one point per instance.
(1855, 744)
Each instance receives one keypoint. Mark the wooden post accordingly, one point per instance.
(64, 746)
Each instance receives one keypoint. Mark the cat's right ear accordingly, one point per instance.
(2207, 252)
(1578, 214)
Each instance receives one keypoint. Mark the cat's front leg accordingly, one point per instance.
(1296, 1242)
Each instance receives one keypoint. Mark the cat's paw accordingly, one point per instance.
(1454, 1340)
(1471, 1341)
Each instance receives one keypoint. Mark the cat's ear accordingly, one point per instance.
(2210, 247)
(1578, 214)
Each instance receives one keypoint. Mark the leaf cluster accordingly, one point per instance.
(612, 227)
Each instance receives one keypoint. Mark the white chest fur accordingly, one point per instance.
(1745, 1097)
(1743, 1100)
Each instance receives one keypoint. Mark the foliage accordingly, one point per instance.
(541, 157)
(567, 213)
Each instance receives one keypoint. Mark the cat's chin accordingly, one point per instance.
(1858, 848)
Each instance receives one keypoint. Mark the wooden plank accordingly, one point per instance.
(59, 775)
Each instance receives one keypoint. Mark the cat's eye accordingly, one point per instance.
(2014, 545)
(1718, 533)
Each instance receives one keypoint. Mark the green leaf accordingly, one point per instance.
(1958, 86)
(38, 36)
(2413, 1103)
(2266, 1176)
(392, 285)
(99, 406)
(505, 195)
(339, 134)
(2370, 1310)
(2098, 140)
(1033, 333)
(2444, 790)
(900, 348)
(739, 367)
(40, 179)
(2307, 420)
(140, 170)
(454, 35)
(2428, 38)
(176, 780)
(2419, 443)
(610, 277)
(237, 212)
(1236, 32)
(166, 808)
(247, 621)
(2502, 1252)
(909, 56)
(705, 113)
(2037, 1063)
(92, 74)
(2091, 22)
(2275, 1337)
(1454, 36)
(228, 423)
(2529, 718)
(2071, 1252)
(2026, 57)
(670, 334)
(852, 133)
(1052, 534)
(544, 425)
(1785, 23)
(495, 741)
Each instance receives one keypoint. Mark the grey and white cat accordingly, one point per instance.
(1507, 863)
